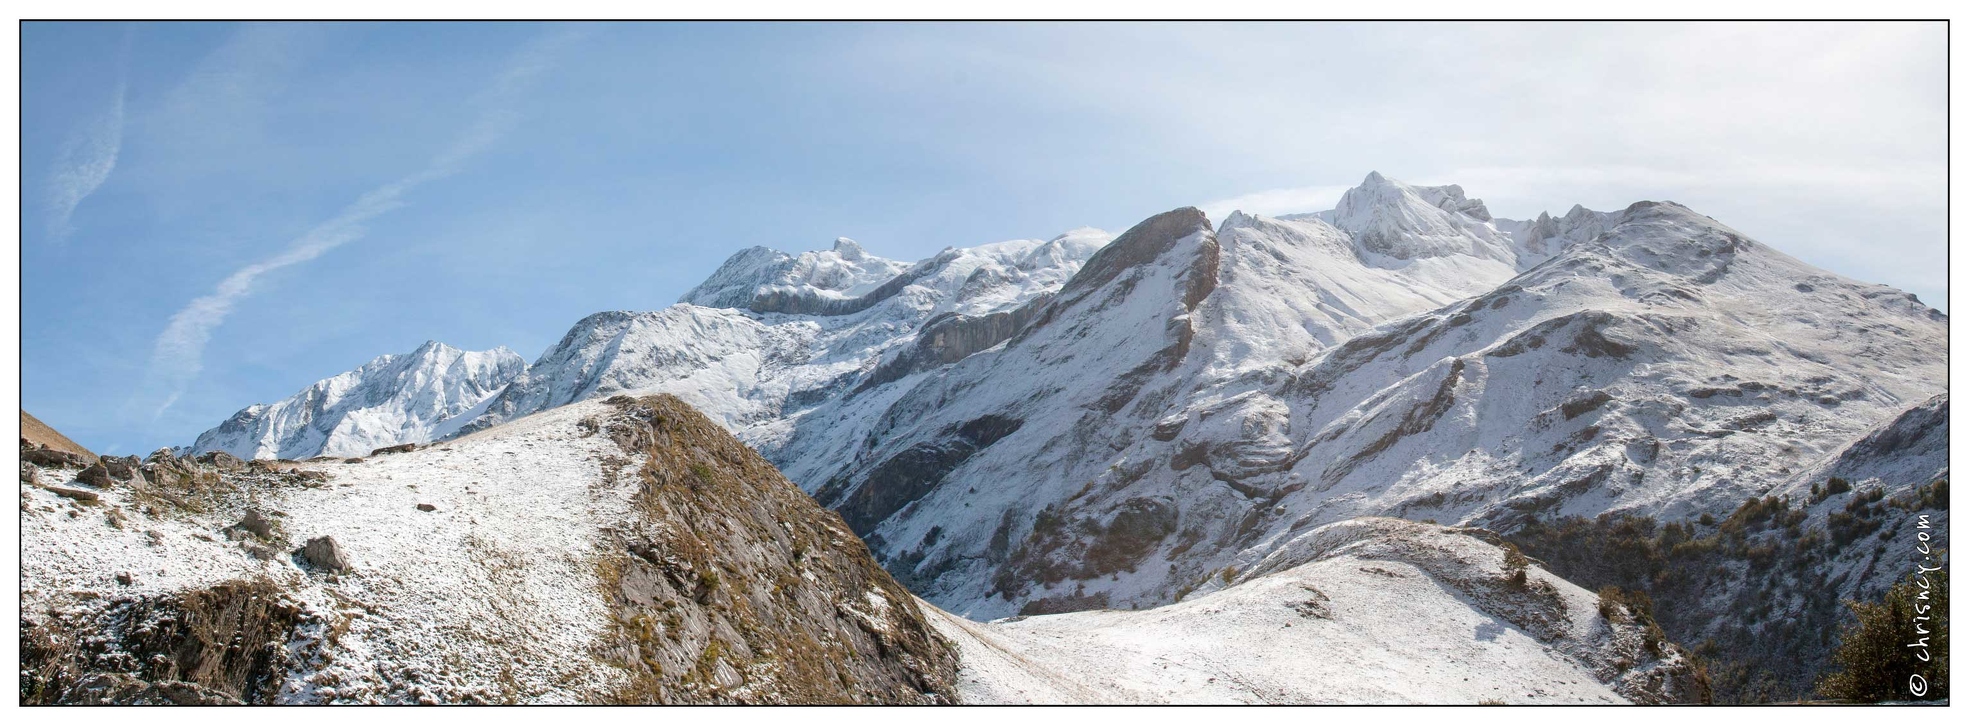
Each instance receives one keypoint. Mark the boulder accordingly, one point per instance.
(398, 449)
(54, 458)
(167, 470)
(96, 475)
(223, 461)
(256, 523)
(427, 507)
(120, 467)
(324, 553)
(80, 495)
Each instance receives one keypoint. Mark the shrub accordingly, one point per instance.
(1514, 559)
(1879, 656)
(1636, 602)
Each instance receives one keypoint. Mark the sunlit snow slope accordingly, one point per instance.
(1376, 611)
(394, 399)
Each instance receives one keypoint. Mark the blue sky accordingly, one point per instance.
(220, 214)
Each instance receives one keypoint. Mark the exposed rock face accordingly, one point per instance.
(222, 644)
(122, 468)
(952, 337)
(914, 472)
(53, 458)
(735, 587)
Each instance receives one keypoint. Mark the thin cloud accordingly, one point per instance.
(83, 164)
(178, 356)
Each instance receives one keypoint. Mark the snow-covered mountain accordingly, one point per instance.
(1185, 412)
(1034, 426)
(795, 331)
(395, 399)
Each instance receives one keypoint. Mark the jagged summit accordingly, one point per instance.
(843, 271)
(1392, 224)
(751, 348)
(848, 249)
(1401, 221)
(407, 398)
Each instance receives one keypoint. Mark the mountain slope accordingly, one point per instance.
(1131, 441)
(623, 552)
(1762, 592)
(40, 434)
(1365, 611)
(394, 399)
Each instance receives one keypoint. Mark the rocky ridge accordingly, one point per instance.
(619, 552)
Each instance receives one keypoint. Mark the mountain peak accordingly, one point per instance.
(842, 269)
(1143, 243)
(848, 249)
(431, 348)
(390, 400)
(1403, 221)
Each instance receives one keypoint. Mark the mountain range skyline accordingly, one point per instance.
(259, 206)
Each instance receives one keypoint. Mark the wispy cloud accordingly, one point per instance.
(178, 355)
(86, 158)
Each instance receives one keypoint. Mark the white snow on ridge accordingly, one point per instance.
(1384, 613)
(844, 271)
(391, 400)
(1407, 222)
(752, 371)
(492, 596)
